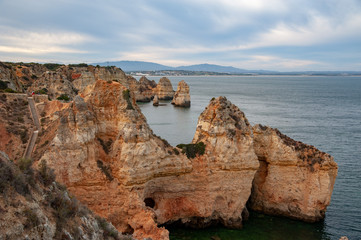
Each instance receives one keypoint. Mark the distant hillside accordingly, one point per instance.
(212, 68)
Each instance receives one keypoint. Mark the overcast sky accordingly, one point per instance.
(252, 34)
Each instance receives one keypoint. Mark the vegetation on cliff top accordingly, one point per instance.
(192, 150)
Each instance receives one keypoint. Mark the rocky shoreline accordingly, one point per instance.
(101, 147)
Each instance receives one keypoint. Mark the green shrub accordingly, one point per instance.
(42, 91)
(192, 150)
(176, 151)
(108, 231)
(126, 96)
(9, 90)
(78, 65)
(20, 183)
(3, 85)
(63, 97)
(52, 66)
(24, 136)
(32, 219)
(6, 176)
(20, 119)
(24, 164)
(46, 174)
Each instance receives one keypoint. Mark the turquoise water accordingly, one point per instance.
(322, 111)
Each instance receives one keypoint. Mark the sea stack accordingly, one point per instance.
(164, 89)
(146, 88)
(156, 101)
(182, 97)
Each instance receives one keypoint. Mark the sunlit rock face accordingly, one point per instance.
(182, 97)
(294, 179)
(104, 151)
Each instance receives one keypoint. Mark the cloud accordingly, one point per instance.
(27, 42)
(242, 32)
(319, 30)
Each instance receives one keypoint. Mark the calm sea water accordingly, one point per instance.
(321, 111)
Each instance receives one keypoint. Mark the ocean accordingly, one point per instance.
(324, 111)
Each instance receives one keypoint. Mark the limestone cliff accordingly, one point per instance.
(103, 150)
(33, 206)
(164, 89)
(294, 179)
(219, 185)
(181, 97)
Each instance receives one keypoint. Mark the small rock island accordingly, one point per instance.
(181, 97)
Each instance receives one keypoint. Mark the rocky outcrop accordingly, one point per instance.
(164, 89)
(33, 206)
(294, 179)
(181, 97)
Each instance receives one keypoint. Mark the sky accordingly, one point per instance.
(280, 35)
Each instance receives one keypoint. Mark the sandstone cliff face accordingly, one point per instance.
(164, 89)
(181, 97)
(32, 206)
(104, 152)
(294, 179)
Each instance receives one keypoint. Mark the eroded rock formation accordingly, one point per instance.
(103, 150)
(164, 89)
(33, 206)
(182, 97)
(294, 179)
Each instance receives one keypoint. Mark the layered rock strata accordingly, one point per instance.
(182, 97)
(33, 206)
(294, 179)
(164, 89)
(102, 149)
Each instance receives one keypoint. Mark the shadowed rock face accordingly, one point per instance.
(181, 97)
(103, 150)
(294, 179)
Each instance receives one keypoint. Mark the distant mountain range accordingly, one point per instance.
(139, 66)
